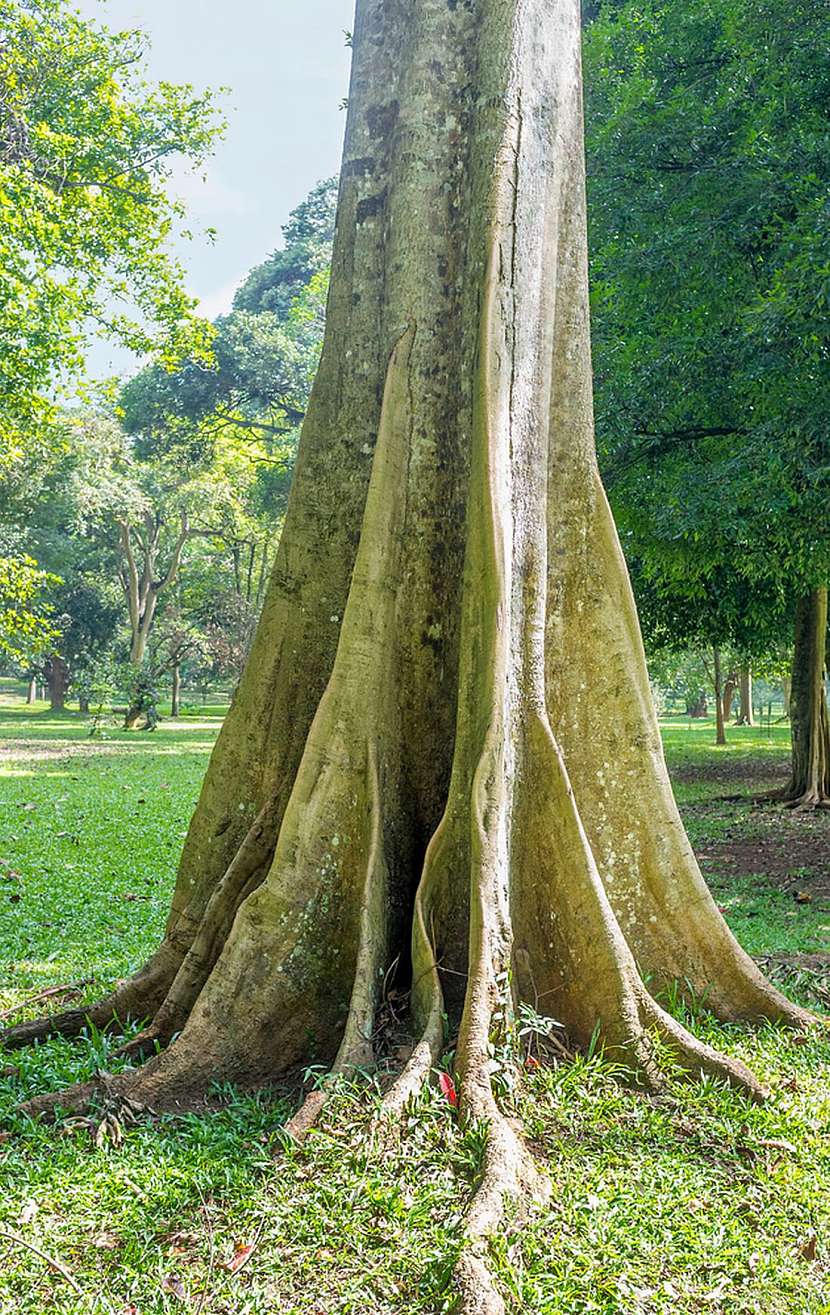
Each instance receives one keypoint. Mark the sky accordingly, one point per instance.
(286, 65)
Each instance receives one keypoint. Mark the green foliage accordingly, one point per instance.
(708, 142)
(265, 353)
(86, 151)
(27, 632)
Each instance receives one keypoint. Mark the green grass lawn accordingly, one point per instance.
(691, 1202)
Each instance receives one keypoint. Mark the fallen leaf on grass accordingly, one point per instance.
(28, 1212)
(106, 1242)
(803, 897)
(172, 1284)
(242, 1253)
(775, 1144)
(179, 1243)
(808, 1251)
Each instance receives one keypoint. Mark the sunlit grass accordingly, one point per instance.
(691, 1202)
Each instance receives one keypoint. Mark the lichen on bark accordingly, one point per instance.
(443, 761)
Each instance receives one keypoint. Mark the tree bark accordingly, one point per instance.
(443, 752)
(745, 713)
(83, 705)
(57, 679)
(730, 689)
(31, 691)
(717, 682)
(809, 784)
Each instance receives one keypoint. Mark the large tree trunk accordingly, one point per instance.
(745, 715)
(809, 785)
(443, 753)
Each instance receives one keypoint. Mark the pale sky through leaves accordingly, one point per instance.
(287, 65)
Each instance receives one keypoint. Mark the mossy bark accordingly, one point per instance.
(443, 759)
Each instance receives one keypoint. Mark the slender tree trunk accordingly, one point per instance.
(443, 752)
(745, 713)
(720, 736)
(140, 581)
(31, 690)
(83, 705)
(809, 785)
(730, 689)
(175, 703)
(249, 576)
(787, 689)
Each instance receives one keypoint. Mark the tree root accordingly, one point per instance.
(810, 801)
(76, 1099)
(136, 998)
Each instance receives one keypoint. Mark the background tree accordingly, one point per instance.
(710, 249)
(86, 149)
(265, 352)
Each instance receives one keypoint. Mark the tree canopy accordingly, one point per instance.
(86, 152)
(708, 141)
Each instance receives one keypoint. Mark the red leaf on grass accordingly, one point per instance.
(242, 1252)
(532, 1063)
(448, 1090)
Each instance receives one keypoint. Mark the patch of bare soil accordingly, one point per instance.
(750, 772)
(791, 849)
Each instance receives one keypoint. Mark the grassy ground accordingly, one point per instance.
(691, 1202)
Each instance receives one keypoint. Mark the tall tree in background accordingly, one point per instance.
(710, 215)
(86, 151)
(443, 753)
(265, 351)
